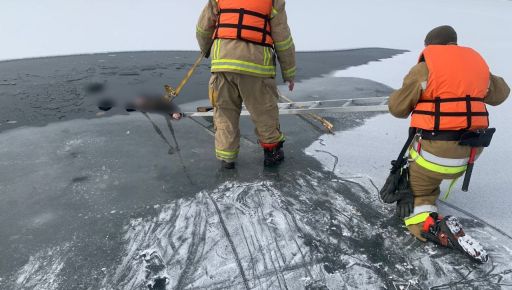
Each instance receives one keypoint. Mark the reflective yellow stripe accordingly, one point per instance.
(274, 12)
(282, 138)
(231, 64)
(269, 53)
(435, 167)
(284, 45)
(417, 219)
(202, 32)
(265, 56)
(234, 61)
(452, 184)
(216, 53)
(214, 49)
(229, 155)
(225, 152)
(290, 72)
(232, 67)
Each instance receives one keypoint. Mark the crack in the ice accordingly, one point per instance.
(336, 159)
(178, 150)
(160, 133)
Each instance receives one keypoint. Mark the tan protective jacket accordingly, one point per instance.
(239, 56)
(403, 101)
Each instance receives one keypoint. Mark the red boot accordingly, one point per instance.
(273, 154)
(448, 232)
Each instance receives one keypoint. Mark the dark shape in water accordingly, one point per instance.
(80, 179)
(130, 107)
(153, 103)
(95, 88)
(106, 104)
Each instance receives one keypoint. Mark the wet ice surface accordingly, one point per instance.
(95, 218)
(56, 89)
(118, 203)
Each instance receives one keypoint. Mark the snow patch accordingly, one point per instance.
(245, 234)
(302, 234)
(42, 269)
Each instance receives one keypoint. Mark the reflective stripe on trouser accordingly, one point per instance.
(226, 155)
(420, 214)
(260, 97)
(438, 164)
(425, 187)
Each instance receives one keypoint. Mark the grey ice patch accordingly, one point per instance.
(42, 219)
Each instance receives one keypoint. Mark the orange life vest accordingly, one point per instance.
(247, 20)
(457, 85)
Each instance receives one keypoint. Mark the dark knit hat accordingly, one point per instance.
(441, 35)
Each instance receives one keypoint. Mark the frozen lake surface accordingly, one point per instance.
(123, 200)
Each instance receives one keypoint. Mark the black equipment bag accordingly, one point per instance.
(397, 185)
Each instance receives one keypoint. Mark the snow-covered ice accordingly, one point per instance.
(320, 233)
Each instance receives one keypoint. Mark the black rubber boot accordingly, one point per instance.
(274, 156)
(228, 165)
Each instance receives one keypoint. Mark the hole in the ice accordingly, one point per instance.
(105, 104)
(130, 107)
(159, 283)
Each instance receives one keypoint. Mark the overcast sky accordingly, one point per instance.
(31, 28)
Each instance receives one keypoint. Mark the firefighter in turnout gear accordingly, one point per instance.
(446, 93)
(244, 38)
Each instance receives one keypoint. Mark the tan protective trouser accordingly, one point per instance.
(260, 96)
(425, 187)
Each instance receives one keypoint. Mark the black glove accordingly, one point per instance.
(405, 206)
(389, 192)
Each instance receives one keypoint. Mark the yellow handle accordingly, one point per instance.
(170, 92)
(328, 125)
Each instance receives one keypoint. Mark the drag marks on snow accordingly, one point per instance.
(42, 269)
(256, 236)
(302, 232)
